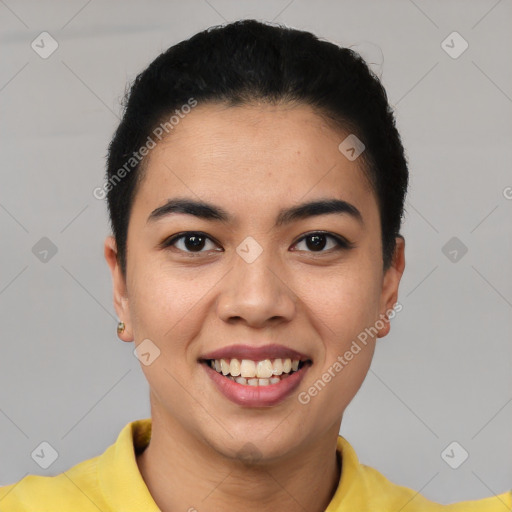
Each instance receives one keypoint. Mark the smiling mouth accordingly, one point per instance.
(256, 373)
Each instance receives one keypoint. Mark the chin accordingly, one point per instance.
(254, 449)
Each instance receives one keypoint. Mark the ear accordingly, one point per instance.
(120, 293)
(390, 284)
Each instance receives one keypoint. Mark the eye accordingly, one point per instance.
(189, 242)
(193, 242)
(316, 242)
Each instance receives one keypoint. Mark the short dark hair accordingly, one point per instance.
(248, 61)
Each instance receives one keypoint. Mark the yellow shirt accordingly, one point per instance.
(112, 482)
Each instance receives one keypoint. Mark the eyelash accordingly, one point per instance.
(341, 243)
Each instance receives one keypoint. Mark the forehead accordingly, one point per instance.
(252, 155)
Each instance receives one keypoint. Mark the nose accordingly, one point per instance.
(256, 293)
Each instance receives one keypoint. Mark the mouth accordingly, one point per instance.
(248, 372)
(256, 376)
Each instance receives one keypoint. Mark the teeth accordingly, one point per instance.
(278, 367)
(224, 366)
(255, 373)
(234, 367)
(248, 368)
(264, 369)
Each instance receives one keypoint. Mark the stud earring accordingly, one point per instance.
(120, 327)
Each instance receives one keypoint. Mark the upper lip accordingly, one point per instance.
(272, 351)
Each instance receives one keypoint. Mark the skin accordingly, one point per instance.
(251, 161)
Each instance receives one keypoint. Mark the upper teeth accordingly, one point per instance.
(249, 369)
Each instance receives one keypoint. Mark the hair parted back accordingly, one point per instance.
(249, 61)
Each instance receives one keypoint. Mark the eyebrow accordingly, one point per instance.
(207, 211)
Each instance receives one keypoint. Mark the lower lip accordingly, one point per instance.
(256, 396)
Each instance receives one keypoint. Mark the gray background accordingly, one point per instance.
(444, 372)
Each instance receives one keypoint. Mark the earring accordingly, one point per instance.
(120, 327)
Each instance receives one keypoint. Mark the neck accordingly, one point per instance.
(182, 473)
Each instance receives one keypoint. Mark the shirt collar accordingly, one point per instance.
(124, 488)
(118, 472)
(352, 492)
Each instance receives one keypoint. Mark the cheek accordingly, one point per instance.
(165, 304)
(341, 305)
(155, 300)
(165, 311)
(350, 305)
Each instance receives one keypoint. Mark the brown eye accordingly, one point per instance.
(317, 242)
(190, 242)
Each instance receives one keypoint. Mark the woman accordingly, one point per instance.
(255, 188)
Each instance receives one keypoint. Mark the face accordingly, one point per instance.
(253, 278)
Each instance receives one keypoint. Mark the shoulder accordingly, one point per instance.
(394, 496)
(78, 487)
(110, 481)
(364, 488)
